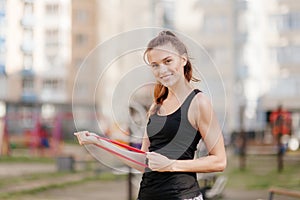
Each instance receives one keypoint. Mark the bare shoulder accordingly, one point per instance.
(201, 102)
(200, 109)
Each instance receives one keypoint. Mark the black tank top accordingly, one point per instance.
(174, 137)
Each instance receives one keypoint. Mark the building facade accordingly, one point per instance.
(37, 59)
(254, 46)
(244, 51)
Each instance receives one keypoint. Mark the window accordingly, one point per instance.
(27, 84)
(52, 33)
(52, 9)
(81, 39)
(52, 37)
(2, 44)
(28, 9)
(290, 21)
(82, 16)
(51, 84)
(294, 20)
(285, 87)
(2, 5)
(288, 54)
(28, 34)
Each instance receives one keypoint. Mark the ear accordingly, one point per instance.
(184, 59)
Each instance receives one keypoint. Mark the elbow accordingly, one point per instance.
(221, 165)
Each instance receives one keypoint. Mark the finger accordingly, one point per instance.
(81, 136)
(79, 132)
(148, 155)
(151, 154)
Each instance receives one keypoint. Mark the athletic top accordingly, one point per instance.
(174, 137)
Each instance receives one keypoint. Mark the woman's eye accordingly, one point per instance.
(168, 61)
(154, 65)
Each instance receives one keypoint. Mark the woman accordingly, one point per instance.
(179, 117)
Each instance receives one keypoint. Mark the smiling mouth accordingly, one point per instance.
(165, 76)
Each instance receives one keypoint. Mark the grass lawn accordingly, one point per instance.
(261, 172)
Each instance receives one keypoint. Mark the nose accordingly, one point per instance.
(162, 68)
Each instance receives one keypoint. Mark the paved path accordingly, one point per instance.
(94, 190)
(18, 169)
(108, 190)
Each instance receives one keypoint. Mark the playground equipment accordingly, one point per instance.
(33, 132)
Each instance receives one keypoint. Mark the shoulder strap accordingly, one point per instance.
(187, 103)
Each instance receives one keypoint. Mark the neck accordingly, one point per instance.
(180, 90)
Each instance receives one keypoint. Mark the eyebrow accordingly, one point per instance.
(166, 58)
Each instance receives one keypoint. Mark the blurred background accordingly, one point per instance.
(254, 45)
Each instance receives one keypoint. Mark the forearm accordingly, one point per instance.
(209, 163)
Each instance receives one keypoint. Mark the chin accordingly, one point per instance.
(168, 84)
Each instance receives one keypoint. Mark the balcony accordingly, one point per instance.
(27, 21)
(242, 5)
(3, 82)
(28, 1)
(2, 70)
(2, 13)
(27, 73)
(29, 97)
(28, 94)
(27, 47)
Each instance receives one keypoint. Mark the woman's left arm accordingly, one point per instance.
(208, 126)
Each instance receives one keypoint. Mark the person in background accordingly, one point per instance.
(43, 139)
(281, 123)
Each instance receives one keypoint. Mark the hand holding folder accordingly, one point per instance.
(130, 156)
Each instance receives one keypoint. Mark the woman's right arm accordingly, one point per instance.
(145, 143)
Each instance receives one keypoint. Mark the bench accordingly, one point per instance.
(217, 188)
(281, 191)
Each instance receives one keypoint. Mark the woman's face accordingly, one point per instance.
(167, 65)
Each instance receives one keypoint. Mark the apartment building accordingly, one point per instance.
(42, 45)
(207, 27)
(38, 50)
(253, 45)
(122, 76)
(84, 64)
(3, 77)
(284, 48)
(244, 51)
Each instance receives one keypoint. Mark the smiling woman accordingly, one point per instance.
(179, 117)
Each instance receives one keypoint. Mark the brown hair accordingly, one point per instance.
(160, 91)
